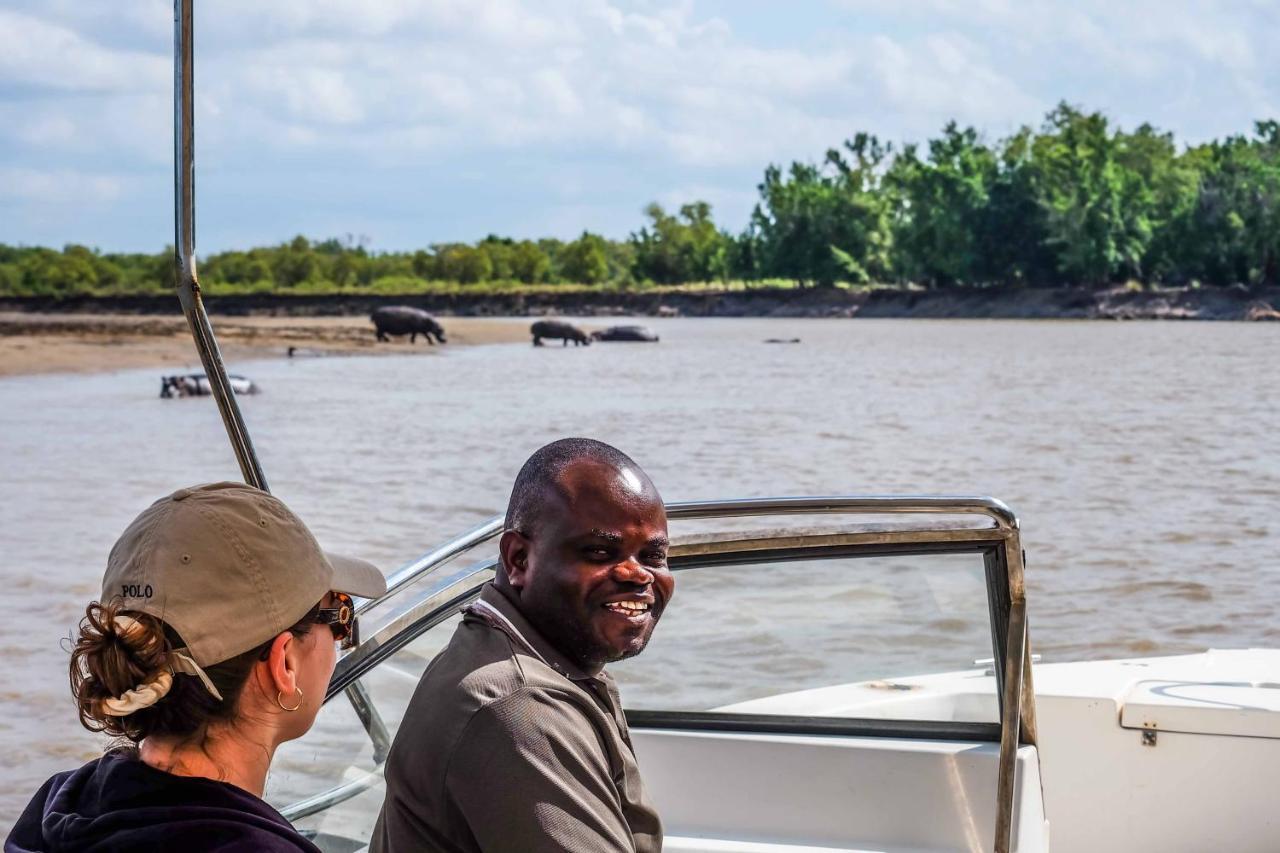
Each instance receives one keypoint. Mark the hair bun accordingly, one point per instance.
(119, 665)
(142, 638)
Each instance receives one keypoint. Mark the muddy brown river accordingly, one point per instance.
(1142, 458)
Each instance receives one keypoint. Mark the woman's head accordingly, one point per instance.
(218, 608)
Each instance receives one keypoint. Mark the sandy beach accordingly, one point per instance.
(85, 343)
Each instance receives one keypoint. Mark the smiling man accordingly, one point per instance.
(515, 739)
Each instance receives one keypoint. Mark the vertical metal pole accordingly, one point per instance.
(184, 187)
(184, 244)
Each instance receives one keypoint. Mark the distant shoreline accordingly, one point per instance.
(90, 334)
(1233, 303)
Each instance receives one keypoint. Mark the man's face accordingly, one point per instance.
(592, 577)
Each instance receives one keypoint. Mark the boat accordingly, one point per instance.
(1171, 754)
(758, 734)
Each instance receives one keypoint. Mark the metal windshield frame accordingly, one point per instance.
(449, 587)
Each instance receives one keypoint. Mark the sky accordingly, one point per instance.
(404, 123)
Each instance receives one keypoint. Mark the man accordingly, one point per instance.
(515, 739)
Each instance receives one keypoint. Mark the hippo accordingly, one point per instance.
(404, 320)
(558, 329)
(197, 385)
(626, 333)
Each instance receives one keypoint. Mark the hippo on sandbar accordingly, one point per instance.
(626, 333)
(558, 329)
(404, 320)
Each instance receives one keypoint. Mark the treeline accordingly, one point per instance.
(1074, 202)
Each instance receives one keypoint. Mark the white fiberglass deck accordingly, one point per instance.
(1170, 754)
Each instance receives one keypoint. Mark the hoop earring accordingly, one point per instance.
(280, 693)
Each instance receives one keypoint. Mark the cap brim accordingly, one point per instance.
(356, 577)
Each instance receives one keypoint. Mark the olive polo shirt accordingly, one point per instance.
(509, 746)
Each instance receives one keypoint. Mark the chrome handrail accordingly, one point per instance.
(996, 510)
(460, 544)
(382, 643)
(990, 507)
(339, 794)
(378, 644)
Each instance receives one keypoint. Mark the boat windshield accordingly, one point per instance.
(826, 626)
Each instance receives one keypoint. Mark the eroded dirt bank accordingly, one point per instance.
(1235, 303)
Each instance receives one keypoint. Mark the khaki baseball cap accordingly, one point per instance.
(228, 567)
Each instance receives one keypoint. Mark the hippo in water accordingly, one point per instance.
(626, 333)
(558, 329)
(403, 320)
(197, 385)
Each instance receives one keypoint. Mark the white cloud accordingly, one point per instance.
(40, 54)
(735, 204)
(595, 90)
(947, 76)
(1199, 67)
(310, 95)
(46, 129)
(60, 186)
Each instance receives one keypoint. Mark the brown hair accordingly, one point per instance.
(107, 661)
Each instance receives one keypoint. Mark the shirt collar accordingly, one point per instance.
(499, 611)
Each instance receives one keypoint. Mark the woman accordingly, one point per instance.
(212, 644)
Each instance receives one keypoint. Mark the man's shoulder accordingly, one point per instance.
(481, 681)
(481, 666)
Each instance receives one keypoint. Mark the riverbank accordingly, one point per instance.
(1233, 303)
(86, 334)
(86, 343)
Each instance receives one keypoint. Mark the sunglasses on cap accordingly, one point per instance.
(341, 621)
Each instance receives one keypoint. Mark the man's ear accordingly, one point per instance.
(513, 551)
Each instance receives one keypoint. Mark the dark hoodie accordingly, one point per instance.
(117, 803)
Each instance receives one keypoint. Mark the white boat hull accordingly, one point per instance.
(1161, 754)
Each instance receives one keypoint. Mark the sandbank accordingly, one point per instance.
(88, 343)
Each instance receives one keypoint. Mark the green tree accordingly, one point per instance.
(1097, 219)
(1162, 189)
(294, 263)
(942, 204)
(1013, 231)
(10, 280)
(828, 223)
(1232, 232)
(49, 273)
(499, 250)
(744, 255)
(238, 268)
(585, 260)
(529, 263)
(677, 249)
(425, 265)
(462, 263)
(345, 270)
